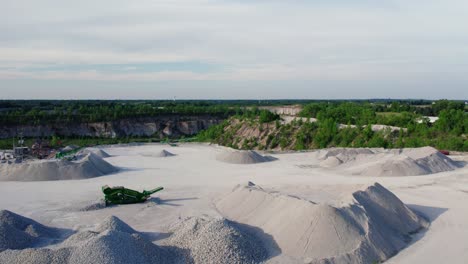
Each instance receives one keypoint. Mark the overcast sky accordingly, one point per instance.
(248, 49)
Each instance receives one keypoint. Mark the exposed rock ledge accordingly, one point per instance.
(158, 126)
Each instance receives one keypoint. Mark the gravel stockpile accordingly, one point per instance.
(69, 148)
(119, 248)
(344, 152)
(113, 223)
(97, 151)
(216, 241)
(88, 166)
(369, 225)
(243, 157)
(380, 162)
(331, 162)
(18, 232)
(96, 205)
(113, 241)
(395, 166)
(162, 154)
(431, 159)
(195, 240)
(35, 256)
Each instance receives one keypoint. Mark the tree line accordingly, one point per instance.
(350, 125)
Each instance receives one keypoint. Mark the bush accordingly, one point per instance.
(267, 116)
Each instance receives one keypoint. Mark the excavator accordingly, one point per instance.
(122, 195)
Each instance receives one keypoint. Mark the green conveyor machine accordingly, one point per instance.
(122, 195)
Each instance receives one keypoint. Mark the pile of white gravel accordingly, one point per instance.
(380, 162)
(112, 241)
(194, 240)
(69, 148)
(88, 166)
(116, 242)
(97, 151)
(345, 152)
(162, 154)
(18, 232)
(209, 240)
(92, 206)
(367, 225)
(35, 256)
(243, 157)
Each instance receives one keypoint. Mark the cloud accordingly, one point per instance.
(245, 40)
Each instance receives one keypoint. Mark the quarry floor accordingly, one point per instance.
(194, 179)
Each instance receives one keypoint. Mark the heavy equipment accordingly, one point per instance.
(122, 195)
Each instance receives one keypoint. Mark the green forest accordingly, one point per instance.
(349, 124)
(50, 112)
(339, 123)
(17, 112)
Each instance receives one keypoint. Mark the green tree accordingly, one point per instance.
(326, 131)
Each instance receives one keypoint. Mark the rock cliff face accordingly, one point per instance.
(159, 126)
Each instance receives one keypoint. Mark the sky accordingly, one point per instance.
(227, 49)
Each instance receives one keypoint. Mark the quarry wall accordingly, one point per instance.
(159, 126)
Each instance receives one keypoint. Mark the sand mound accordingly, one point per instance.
(112, 242)
(198, 240)
(18, 232)
(431, 159)
(380, 162)
(369, 225)
(162, 154)
(395, 167)
(243, 157)
(98, 152)
(331, 162)
(216, 241)
(101, 153)
(95, 205)
(116, 242)
(113, 223)
(69, 148)
(89, 166)
(344, 152)
(165, 153)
